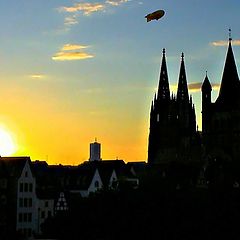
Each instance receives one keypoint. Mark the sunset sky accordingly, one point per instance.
(73, 70)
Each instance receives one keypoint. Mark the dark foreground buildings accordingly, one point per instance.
(173, 135)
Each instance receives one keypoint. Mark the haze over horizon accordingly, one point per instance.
(71, 70)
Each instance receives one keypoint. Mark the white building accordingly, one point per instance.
(27, 219)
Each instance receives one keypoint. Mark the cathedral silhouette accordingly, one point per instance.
(173, 134)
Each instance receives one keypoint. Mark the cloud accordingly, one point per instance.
(68, 56)
(70, 47)
(68, 52)
(86, 8)
(195, 87)
(221, 43)
(116, 2)
(215, 86)
(70, 20)
(37, 76)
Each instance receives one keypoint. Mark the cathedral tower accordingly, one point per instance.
(172, 120)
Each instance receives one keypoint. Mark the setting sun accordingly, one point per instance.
(7, 145)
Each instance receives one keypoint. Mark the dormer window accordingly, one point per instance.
(26, 174)
(96, 184)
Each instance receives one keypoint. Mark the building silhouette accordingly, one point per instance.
(95, 151)
(173, 135)
(172, 120)
(221, 119)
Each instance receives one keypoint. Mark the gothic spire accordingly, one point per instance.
(163, 87)
(230, 85)
(182, 91)
(206, 86)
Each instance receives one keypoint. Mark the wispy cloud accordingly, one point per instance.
(215, 86)
(116, 2)
(86, 8)
(195, 87)
(221, 43)
(37, 76)
(70, 20)
(68, 53)
(71, 47)
(68, 56)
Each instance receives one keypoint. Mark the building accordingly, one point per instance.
(20, 200)
(95, 151)
(221, 119)
(172, 135)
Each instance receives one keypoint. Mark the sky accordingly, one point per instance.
(72, 71)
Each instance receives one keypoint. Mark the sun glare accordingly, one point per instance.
(7, 145)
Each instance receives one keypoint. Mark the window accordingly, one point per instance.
(30, 202)
(25, 217)
(30, 187)
(20, 202)
(49, 214)
(96, 184)
(29, 217)
(43, 214)
(26, 187)
(21, 187)
(158, 118)
(46, 203)
(26, 174)
(25, 201)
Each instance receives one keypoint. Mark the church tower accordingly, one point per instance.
(206, 104)
(221, 120)
(172, 120)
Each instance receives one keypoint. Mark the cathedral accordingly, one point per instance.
(173, 135)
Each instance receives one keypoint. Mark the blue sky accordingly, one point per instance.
(71, 70)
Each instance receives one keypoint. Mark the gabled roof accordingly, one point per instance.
(13, 166)
(80, 177)
(138, 168)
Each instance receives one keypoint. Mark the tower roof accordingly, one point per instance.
(206, 84)
(230, 85)
(182, 91)
(163, 87)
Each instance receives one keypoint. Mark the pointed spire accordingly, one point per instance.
(163, 87)
(206, 86)
(230, 86)
(182, 91)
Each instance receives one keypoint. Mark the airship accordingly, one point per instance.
(155, 15)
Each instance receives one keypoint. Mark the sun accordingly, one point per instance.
(7, 145)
